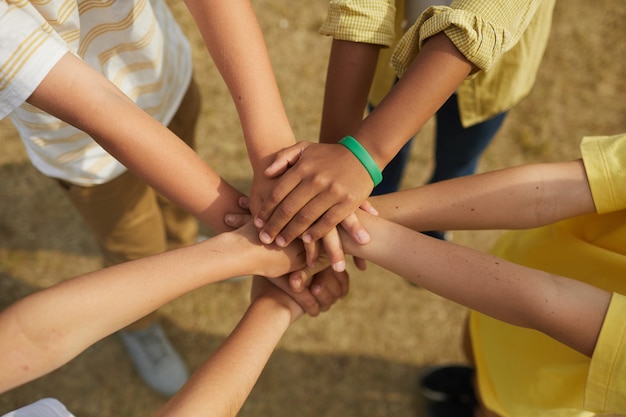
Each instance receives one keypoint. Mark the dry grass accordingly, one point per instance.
(364, 357)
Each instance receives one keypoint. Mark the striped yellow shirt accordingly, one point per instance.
(136, 44)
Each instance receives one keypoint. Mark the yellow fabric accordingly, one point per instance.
(603, 155)
(482, 30)
(506, 42)
(606, 382)
(365, 21)
(509, 78)
(522, 372)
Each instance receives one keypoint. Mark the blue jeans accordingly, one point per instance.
(457, 149)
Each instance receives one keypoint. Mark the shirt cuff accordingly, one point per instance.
(604, 161)
(606, 381)
(361, 21)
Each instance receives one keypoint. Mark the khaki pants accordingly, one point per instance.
(128, 218)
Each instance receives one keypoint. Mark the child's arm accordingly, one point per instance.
(328, 183)
(520, 197)
(142, 144)
(222, 383)
(48, 328)
(76, 93)
(570, 311)
(234, 39)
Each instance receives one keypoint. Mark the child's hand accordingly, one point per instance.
(319, 186)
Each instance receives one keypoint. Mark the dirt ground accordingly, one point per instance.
(364, 357)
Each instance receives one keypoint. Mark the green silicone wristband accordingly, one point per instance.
(361, 154)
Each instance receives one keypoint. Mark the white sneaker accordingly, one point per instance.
(46, 407)
(155, 359)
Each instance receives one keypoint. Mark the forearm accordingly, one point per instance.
(526, 196)
(138, 141)
(234, 39)
(430, 80)
(231, 372)
(570, 311)
(351, 68)
(48, 328)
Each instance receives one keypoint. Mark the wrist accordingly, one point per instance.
(364, 158)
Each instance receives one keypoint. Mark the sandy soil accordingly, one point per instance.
(364, 357)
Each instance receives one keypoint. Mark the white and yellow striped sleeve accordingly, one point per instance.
(363, 21)
(28, 51)
(482, 30)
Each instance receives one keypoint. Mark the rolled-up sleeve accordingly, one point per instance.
(606, 382)
(364, 21)
(481, 30)
(28, 51)
(605, 165)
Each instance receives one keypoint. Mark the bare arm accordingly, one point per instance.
(231, 372)
(48, 328)
(351, 68)
(327, 183)
(147, 148)
(512, 198)
(567, 310)
(233, 37)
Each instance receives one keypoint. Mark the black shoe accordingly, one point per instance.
(450, 384)
(448, 409)
(438, 234)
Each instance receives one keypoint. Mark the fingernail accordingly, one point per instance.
(306, 238)
(296, 283)
(339, 266)
(229, 219)
(363, 236)
(258, 222)
(265, 238)
(280, 241)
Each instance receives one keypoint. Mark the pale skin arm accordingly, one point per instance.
(231, 372)
(46, 329)
(519, 197)
(570, 311)
(327, 183)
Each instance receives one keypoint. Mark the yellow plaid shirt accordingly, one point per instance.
(504, 39)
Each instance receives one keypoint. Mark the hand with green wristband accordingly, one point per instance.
(321, 184)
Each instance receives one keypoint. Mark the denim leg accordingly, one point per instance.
(392, 174)
(458, 149)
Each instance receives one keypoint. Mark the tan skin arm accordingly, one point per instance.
(327, 183)
(570, 311)
(243, 61)
(149, 150)
(231, 372)
(45, 330)
(351, 69)
(520, 197)
(132, 139)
